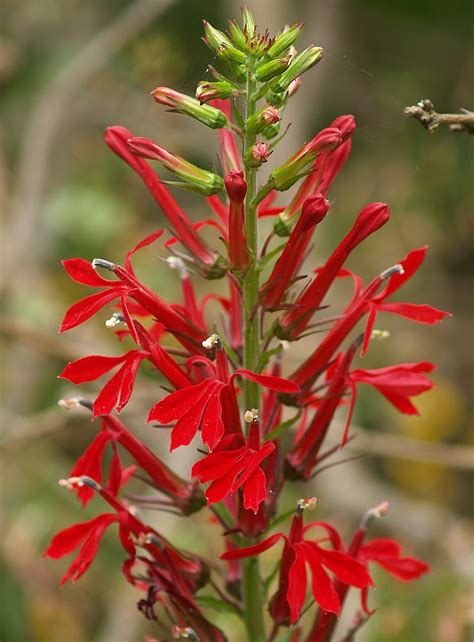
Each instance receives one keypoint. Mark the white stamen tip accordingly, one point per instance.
(211, 342)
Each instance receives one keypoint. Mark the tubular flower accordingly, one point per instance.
(323, 172)
(236, 464)
(183, 104)
(195, 178)
(203, 406)
(314, 210)
(128, 285)
(285, 176)
(117, 139)
(290, 597)
(295, 321)
(236, 188)
(369, 302)
(229, 154)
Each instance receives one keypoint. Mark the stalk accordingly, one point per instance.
(252, 586)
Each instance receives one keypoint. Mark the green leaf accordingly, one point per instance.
(266, 356)
(268, 257)
(214, 603)
(276, 432)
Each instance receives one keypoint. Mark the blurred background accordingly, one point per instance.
(68, 69)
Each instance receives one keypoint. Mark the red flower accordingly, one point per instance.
(387, 553)
(369, 302)
(128, 285)
(117, 391)
(236, 188)
(370, 219)
(230, 468)
(117, 139)
(205, 405)
(87, 535)
(290, 597)
(314, 210)
(397, 383)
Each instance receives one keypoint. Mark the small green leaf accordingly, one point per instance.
(214, 603)
(276, 432)
(268, 257)
(266, 356)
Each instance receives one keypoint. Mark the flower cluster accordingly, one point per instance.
(227, 390)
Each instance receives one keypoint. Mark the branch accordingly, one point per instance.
(431, 120)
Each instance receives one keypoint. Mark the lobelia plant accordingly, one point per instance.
(229, 386)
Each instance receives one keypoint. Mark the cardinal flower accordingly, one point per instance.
(298, 552)
(294, 322)
(236, 464)
(128, 285)
(211, 404)
(370, 303)
(314, 210)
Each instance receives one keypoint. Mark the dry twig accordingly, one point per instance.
(424, 112)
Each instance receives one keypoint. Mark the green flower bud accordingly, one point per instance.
(209, 90)
(237, 36)
(214, 38)
(248, 22)
(285, 39)
(303, 61)
(269, 70)
(210, 116)
(195, 179)
(266, 116)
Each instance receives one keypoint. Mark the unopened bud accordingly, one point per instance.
(257, 155)
(210, 90)
(286, 175)
(271, 69)
(303, 61)
(235, 186)
(266, 116)
(248, 22)
(237, 36)
(196, 179)
(293, 87)
(285, 39)
(210, 116)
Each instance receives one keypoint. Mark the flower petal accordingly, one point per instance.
(82, 271)
(256, 549)
(87, 307)
(273, 383)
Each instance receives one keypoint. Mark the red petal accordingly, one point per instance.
(109, 395)
(381, 546)
(212, 427)
(82, 272)
(128, 379)
(273, 383)
(369, 327)
(256, 549)
(410, 264)
(216, 464)
(175, 405)
(90, 368)
(87, 307)
(322, 587)
(187, 426)
(255, 490)
(146, 241)
(67, 540)
(404, 569)
(420, 313)
(296, 593)
(345, 568)
(90, 464)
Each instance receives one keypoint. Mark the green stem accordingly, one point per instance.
(252, 585)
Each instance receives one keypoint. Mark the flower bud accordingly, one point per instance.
(236, 189)
(257, 155)
(285, 176)
(266, 116)
(237, 36)
(196, 179)
(285, 39)
(303, 61)
(220, 44)
(248, 22)
(273, 68)
(183, 104)
(210, 90)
